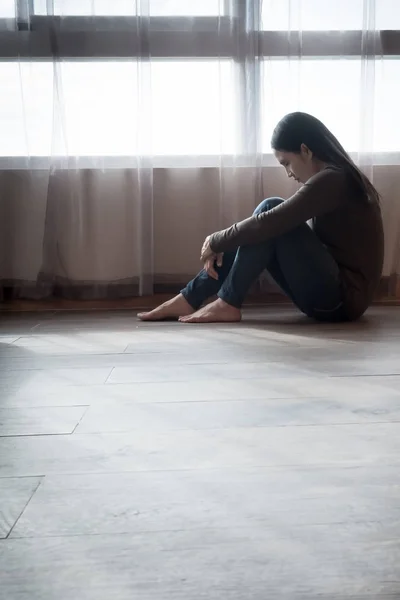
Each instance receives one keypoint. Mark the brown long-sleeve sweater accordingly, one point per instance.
(349, 225)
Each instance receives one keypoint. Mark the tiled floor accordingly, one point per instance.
(234, 462)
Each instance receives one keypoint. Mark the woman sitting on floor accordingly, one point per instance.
(330, 271)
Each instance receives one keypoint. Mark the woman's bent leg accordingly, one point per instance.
(203, 286)
(248, 264)
(193, 295)
(308, 274)
(299, 263)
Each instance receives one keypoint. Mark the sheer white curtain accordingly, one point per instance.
(335, 60)
(133, 128)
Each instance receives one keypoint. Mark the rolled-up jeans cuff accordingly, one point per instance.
(231, 299)
(189, 300)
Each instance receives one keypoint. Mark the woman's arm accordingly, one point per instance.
(324, 192)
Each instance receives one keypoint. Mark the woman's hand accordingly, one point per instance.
(206, 251)
(209, 258)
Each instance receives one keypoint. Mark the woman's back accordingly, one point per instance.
(353, 234)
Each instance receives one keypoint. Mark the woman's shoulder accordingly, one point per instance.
(329, 174)
(336, 181)
(331, 180)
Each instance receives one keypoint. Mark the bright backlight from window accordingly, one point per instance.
(332, 91)
(185, 107)
(174, 108)
(118, 8)
(7, 9)
(333, 15)
(327, 89)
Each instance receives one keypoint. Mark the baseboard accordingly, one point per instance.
(261, 294)
(389, 289)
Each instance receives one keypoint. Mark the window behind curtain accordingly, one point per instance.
(115, 8)
(100, 93)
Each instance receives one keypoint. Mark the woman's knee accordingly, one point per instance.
(267, 204)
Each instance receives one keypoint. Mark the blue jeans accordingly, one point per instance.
(298, 262)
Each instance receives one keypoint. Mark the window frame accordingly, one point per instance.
(43, 37)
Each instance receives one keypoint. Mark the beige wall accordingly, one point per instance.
(97, 221)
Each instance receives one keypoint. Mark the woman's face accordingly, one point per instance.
(298, 165)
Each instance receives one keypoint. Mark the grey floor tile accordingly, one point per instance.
(39, 420)
(139, 451)
(328, 361)
(237, 370)
(378, 365)
(135, 361)
(287, 563)
(208, 390)
(37, 346)
(238, 413)
(15, 494)
(24, 381)
(15, 324)
(211, 499)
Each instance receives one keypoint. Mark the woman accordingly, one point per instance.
(330, 269)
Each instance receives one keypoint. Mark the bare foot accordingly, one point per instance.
(172, 309)
(216, 312)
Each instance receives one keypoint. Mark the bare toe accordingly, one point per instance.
(216, 312)
(172, 309)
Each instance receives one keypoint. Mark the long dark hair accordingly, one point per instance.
(299, 128)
